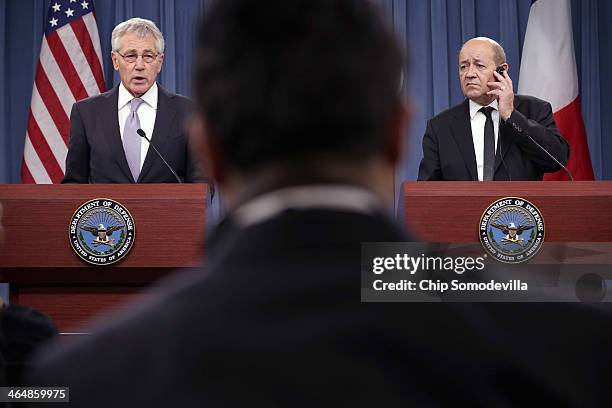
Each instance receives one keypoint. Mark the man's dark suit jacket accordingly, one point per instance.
(448, 149)
(95, 151)
(276, 320)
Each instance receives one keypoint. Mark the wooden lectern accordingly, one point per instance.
(450, 211)
(575, 257)
(44, 271)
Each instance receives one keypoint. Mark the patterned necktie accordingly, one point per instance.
(489, 145)
(131, 139)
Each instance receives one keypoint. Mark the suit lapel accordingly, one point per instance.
(161, 131)
(462, 132)
(110, 124)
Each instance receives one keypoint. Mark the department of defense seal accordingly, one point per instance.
(512, 230)
(102, 231)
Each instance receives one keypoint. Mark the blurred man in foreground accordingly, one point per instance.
(301, 123)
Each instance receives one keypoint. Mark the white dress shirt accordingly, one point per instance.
(336, 197)
(146, 113)
(477, 120)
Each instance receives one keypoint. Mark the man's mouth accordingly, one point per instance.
(139, 79)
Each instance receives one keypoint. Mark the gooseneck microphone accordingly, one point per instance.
(551, 156)
(142, 134)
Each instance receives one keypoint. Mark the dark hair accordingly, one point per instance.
(22, 331)
(279, 79)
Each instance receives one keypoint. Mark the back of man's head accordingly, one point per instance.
(284, 80)
(22, 331)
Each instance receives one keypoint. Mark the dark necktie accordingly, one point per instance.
(489, 145)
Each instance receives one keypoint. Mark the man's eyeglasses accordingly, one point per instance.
(133, 57)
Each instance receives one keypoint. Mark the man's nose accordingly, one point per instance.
(471, 73)
(139, 65)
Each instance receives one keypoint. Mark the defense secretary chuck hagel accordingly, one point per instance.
(104, 146)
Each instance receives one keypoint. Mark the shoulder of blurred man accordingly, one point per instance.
(279, 305)
(272, 313)
(232, 316)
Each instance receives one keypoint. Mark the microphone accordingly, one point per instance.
(142, 134)
(551, 156)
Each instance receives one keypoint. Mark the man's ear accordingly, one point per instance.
(396, 130)
(115, 62)
(208, 151)
(161, 62)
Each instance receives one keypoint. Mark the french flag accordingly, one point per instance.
(548, 71)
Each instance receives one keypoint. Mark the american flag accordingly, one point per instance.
(69, 69)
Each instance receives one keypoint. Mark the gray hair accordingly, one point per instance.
(141, 27)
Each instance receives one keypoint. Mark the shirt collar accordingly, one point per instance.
(475, 107)
(149, 97)
(319, 196)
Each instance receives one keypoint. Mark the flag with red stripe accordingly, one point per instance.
(548, 71)
(69, 69)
